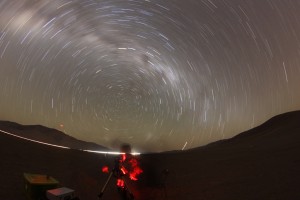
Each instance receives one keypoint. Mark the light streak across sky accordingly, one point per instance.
(64, 147)
(35, 141)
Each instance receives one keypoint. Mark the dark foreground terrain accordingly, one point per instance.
(263, 163)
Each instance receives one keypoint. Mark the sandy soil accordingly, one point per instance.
(263, 163)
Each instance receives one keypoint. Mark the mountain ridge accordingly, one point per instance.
(48, 135)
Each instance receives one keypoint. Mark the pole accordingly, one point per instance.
(131, 196)
(105, 185)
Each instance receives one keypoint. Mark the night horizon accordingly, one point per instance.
(158, 75)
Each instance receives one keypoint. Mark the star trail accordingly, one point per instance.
(160, 75)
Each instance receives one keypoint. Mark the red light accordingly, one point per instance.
(123, 157)
(132, 167)
(135, 169)
(124, 170)
(133, 162)
(105, 169)
(127, 164)
(120, 183)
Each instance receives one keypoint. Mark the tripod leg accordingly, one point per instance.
(105, 185)
(131, 196)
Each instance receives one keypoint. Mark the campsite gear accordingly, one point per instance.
(36, 185)
(60, 193)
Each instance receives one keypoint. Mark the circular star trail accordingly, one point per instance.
(160, 75)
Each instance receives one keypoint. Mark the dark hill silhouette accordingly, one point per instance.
(280, 130)
(44, 134)
(262, 163)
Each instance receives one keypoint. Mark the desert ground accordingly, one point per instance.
(262, 163)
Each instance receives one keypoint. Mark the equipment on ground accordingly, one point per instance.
(45, 187)
(122, 188)
(60, 194)
(125, 165)
(37, 184)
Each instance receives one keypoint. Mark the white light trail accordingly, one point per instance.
(286, 77)
(36, 141)
(184, 146)
(64, 147)
(110, 152)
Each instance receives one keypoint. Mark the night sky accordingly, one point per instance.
(158, 74)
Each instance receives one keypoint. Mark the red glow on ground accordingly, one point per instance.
(105, 169)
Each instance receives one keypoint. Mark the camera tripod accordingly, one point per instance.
(122, 186)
